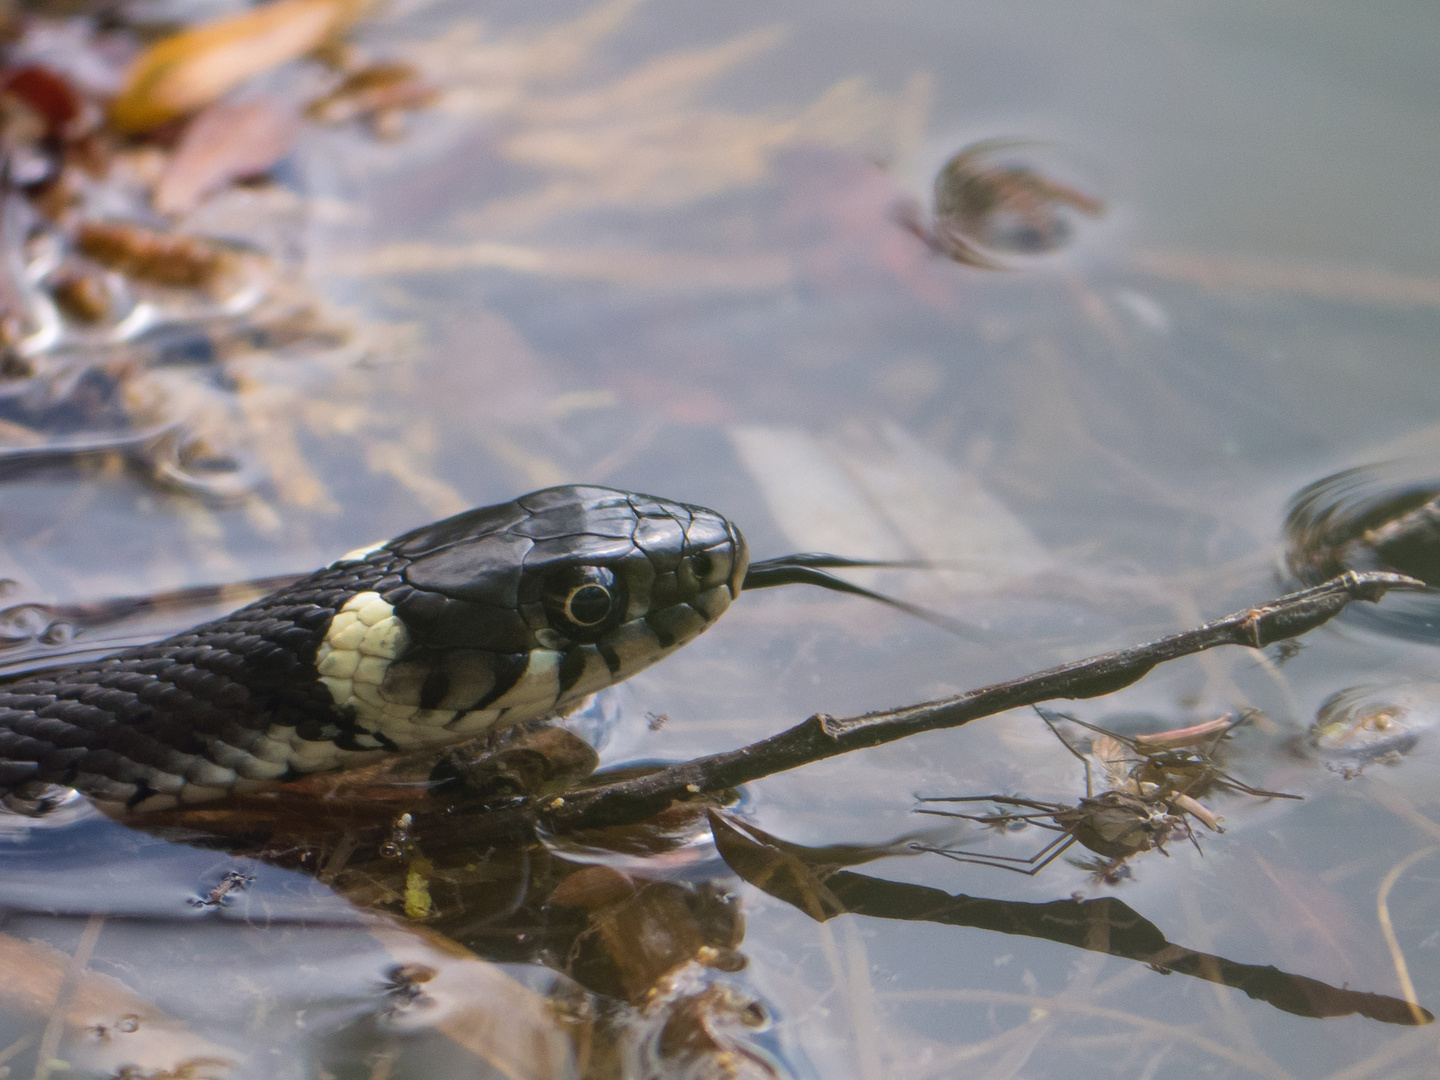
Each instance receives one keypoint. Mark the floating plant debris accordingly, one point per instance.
(226, 142)
(990, 202)
(379, 94)
(183, 262)
(133, 266)
(81, 296)
(1366, 724)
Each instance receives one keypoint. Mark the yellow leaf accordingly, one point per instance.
(186, 71)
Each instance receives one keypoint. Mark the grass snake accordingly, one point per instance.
(495, 616)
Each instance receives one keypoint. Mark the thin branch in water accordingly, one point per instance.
(823, 736)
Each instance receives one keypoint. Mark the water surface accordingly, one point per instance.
(657, 247)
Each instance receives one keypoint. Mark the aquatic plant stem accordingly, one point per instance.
(1382, 906)
(823, 736)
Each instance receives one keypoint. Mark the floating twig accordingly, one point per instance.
(823, 736)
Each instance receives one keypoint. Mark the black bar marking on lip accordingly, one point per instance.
(665, 637)
(350, 740)
(572, 666)
(509, 667)
(434, 688)
(610, 656)
(143, 791)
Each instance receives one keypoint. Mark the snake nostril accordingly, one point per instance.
(702, 564)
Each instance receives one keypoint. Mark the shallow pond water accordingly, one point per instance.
(683, 250)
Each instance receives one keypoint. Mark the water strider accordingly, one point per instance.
(1165, 765)
(1113, 824)
(1152, 784)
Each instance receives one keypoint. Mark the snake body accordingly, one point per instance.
(492, 617)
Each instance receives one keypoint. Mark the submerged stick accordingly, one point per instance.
(823, 736)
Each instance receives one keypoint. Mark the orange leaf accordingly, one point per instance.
(186, 71)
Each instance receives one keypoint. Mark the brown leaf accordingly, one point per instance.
(81, 296)
(224, 143)
(380, 88)
(161, 258)
(50, 96)
(592, 887)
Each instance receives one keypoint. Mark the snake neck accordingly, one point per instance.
(233, 705)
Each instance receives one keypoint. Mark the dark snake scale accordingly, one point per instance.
(486, 619)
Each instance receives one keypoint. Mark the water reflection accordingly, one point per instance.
(813, 881)
(648, 966)
(642, 959)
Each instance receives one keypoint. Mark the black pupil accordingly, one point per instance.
(589, 604)
(702, 564)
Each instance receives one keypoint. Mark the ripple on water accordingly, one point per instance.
(1002, 198)
(1369, 723)
(1376, 517)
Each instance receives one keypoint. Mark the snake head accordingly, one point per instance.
(520, 609)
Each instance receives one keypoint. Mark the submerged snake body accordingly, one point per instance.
(492, 617)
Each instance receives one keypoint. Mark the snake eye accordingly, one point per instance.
(584, 601)
(588, 605)
(702, 564)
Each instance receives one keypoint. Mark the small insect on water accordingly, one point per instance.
(404, 984)
(1112, 824)
(1152, 783)
(1175, 766)
(233, 882)
(988, 204)
(126, 1025)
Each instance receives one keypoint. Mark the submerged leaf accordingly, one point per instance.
(146, 255)
(225, 142)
